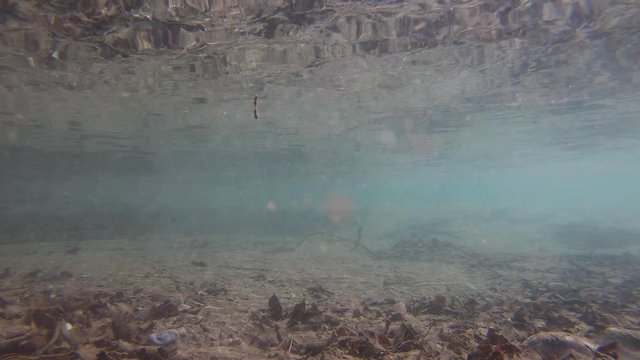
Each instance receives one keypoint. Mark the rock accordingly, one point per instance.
(7, 332)
(275, 309)
(75, 335)
(557, 345)
(519, 315)
(297, 313)
(436, 306)
(399, 308)
(356, 313)
(163, 338)
(166, 309)
(627, 341)
(45, 319)
(213, 289)
(88, 351)
(123, 329)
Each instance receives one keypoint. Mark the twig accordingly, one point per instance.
(318, 347)
(359, 243)
(305, 239)
(428, 331)
(278, 336)
(255, 107)
(419, 340)
(52, 341)
(5, 344)
(359, 238)
(67, 355)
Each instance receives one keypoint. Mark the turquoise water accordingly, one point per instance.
(319, 179)
(501, 179)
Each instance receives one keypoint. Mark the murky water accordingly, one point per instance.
(497, 126)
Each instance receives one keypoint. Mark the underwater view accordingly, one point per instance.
(319, 179)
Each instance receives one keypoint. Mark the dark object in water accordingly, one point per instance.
(494, 346)
(122, 328)
(73, 251)
(45, 318)
(213, 289)
(624, 342)
(199, 263)
(163, 338)
(436, 306)
(358, 242)
(315, 348)
(297, 313)
(33, 275)
(198, 100)
(63, 275)
(6, 273)
(318, 292)
(358, 239)
(164, 310)
(255, 107)
(275, 309)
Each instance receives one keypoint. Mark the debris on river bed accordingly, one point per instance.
(384, 310)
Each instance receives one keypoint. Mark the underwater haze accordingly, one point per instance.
(428, 179)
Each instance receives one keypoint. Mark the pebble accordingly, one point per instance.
(399, 308)
(162, 338)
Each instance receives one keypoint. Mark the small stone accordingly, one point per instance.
(520, 315)
(556, 345)
(73, 251)
(357, 313)
(235, 342)
(399, 308)
(184, 307)
(164, 310)
(163, 338)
